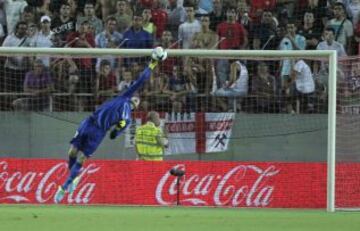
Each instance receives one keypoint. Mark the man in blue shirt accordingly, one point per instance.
(137, 38)
(113, 113)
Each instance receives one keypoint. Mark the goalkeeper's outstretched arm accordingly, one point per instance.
(145, 75)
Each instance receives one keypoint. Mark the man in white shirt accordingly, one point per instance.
(13, 10)
(343, 27)
(16, 66)
(42, 38)
(188, 28)
(329, 44)
(291, 41)
(301, 86)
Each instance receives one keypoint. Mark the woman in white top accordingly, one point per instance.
(237, 86)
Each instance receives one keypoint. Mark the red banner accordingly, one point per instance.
(235, 184)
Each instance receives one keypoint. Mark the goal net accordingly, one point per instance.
(276, 107)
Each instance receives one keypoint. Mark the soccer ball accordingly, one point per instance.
(159, 54)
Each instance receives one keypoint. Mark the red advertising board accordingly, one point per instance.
(235, 184)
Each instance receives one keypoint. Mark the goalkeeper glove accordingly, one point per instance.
(121, 124)
(153, 63)
(118, 127)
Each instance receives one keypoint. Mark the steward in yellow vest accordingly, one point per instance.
(150, 141)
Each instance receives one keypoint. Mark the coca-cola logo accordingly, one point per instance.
(40, 187)
(241, 186)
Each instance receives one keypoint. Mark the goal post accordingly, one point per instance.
(328, 55)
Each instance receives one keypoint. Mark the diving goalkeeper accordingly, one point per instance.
(114, 113)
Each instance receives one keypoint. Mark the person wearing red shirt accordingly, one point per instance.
(159, 18)
(231, 33)
(83, 38)
(167, 42)
(105, 84)
(257, 8)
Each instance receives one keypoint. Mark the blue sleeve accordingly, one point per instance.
(125, 115)
(145, 75)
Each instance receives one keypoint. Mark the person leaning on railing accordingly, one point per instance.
(150, 141)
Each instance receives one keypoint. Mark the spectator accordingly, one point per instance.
(105, 84)
(152, 95)
(264, 87)
(329, 43)
(45, 30)
(177, 88)
(319, 9)
(291, 41)
(39, 84)
(188, 28)
(209, 38)
(122, 17)
(206, 5)
(198, 10)
(3, 19)
(167, 42)
(89, 15)
(13, 10)
(84, 38)
(106, 8)
(159, 18)
(243, 16)
(342, 26)
(109, 38)
(148, 25)
(217, 15)
(63, 24)
(353, 10)
(310, 31)
(176, 15)
(232, 35)
(301, 87)
(43, 8)
(126, 82)
(199, 68)
(28, 15)
(257, 8)
(264, 33)
(41, 38)
(2, 33)
(16, 66)
(237, 86)
(137, 38)
(73, 7)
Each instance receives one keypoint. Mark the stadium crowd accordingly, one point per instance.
(179, 84)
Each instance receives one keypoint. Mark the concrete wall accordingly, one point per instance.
(258, 137)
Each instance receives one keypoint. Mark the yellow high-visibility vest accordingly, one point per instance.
(147, 144)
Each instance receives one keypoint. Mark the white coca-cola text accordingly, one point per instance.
(241, 186)
(40, 187)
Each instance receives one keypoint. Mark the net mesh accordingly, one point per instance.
(347, 127)
(269, 105)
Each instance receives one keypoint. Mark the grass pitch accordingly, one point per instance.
(96, 218)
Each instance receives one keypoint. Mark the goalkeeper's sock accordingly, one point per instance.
(72, 161)
(73, 173)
